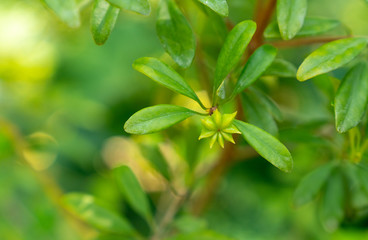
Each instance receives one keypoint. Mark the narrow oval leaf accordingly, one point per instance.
(260, 60)
(175, 33)
(281, 68)
(219, 6)
(258, 114)
(140, 6)
(290, 17)
(85, 207)
(311, 184)
(156, 118)
(165, 75)
(351, 98)
(232, 50)
(132, 191)
(269, 147)
(332, 205)
(311, 27)
(330, 56)
(103, 20)
(66, 10)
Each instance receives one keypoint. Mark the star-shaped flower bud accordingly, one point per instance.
(219, 127)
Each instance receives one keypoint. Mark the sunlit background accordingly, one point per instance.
(63, 103)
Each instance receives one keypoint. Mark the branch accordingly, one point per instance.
(304, 41)
(262, 18)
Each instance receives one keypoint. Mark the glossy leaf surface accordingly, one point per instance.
(165, 75)
(219, 6)
(351, 98)
(257, 63)
(311, 27)
(66, 10)
(290, 17)
(269, 147)
(156, 118)
(103, 20)
(330, 56)
(138, 6)
(175, 33)
(232, 50)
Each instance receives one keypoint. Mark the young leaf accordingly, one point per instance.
(330, 56)
(155, 157)
(156, 118)
(219, 6)
(232, 50)
(103, 20)
(165, 75)
(281, 68)
(132, 191)
(269, 147)
(175, 33)
(311, 27)
(66, 10)
(351, 98)
(258, 114)
(311, 184)
(140, 6)
(260, 60)
(86, 208)
(332, 208)
(290, 17)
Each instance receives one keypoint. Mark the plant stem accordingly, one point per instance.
(175, 202)
(262, 18)
(304, 41)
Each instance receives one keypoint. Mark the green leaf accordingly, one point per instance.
(330, 56)
(103, 20)
(290, 17)
(268, 102)
(66, 10)
(351, 98)
(258, 114)
(165, 75)
(132, 191)
(260, 60)
(157, 160)
(332, 205)
(156, 118)
(269, 147)
(140, 6)
(311, 184)
(85, 207)
(219, 6)
(311, 27)
(175, 33)
(281, 68)
(232, 50)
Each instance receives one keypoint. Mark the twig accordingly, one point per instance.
(304, 41)
(262, 17)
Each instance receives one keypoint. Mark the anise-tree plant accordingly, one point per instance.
(227, 97)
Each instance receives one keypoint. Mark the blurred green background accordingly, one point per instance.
(63, 103)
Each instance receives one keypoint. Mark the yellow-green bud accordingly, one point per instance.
(219, 127)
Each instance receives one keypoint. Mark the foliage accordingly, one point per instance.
(232, 74)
